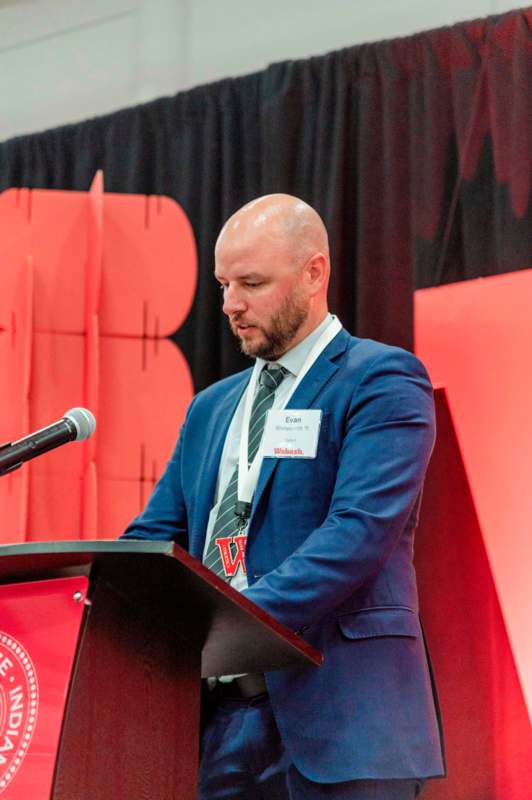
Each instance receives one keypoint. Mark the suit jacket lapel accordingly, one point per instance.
(318, 375)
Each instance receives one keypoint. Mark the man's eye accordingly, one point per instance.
(251, 284)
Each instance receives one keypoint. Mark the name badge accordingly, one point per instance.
(290, 433)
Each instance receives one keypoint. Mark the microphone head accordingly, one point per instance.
(83, 420)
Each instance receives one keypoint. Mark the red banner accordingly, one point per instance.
(39, 628)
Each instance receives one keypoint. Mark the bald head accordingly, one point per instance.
(281, 219)
(272, 261)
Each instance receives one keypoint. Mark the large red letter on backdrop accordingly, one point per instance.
(91, 284)
(475, 339)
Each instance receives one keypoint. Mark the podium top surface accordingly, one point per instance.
(165, 580)
(31, 560)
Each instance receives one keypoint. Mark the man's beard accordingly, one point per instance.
(279, 334)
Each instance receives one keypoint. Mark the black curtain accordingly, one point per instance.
(416, 151)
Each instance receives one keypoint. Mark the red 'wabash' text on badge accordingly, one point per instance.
(19, 697)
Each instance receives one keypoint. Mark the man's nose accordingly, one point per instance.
(233, 301)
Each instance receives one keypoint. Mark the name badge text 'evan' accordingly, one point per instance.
(292, 433)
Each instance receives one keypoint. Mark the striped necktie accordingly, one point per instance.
(226, 549)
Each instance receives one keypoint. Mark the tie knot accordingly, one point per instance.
(271, 377)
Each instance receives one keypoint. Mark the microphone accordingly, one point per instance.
(76, 425)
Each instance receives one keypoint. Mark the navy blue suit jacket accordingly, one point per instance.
(329, 553)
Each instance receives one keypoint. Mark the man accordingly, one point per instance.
(311, 512)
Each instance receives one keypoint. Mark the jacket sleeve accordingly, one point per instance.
(164, 516)
(388, 435)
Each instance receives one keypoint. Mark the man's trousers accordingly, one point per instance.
(243, 758)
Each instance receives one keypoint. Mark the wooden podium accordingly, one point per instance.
(153, 621)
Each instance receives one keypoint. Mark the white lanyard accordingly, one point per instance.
(247, 478)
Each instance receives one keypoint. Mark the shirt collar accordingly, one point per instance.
(294, 359)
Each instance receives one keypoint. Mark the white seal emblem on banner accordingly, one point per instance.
(19, 702)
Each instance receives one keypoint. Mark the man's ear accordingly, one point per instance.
(317, 271)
